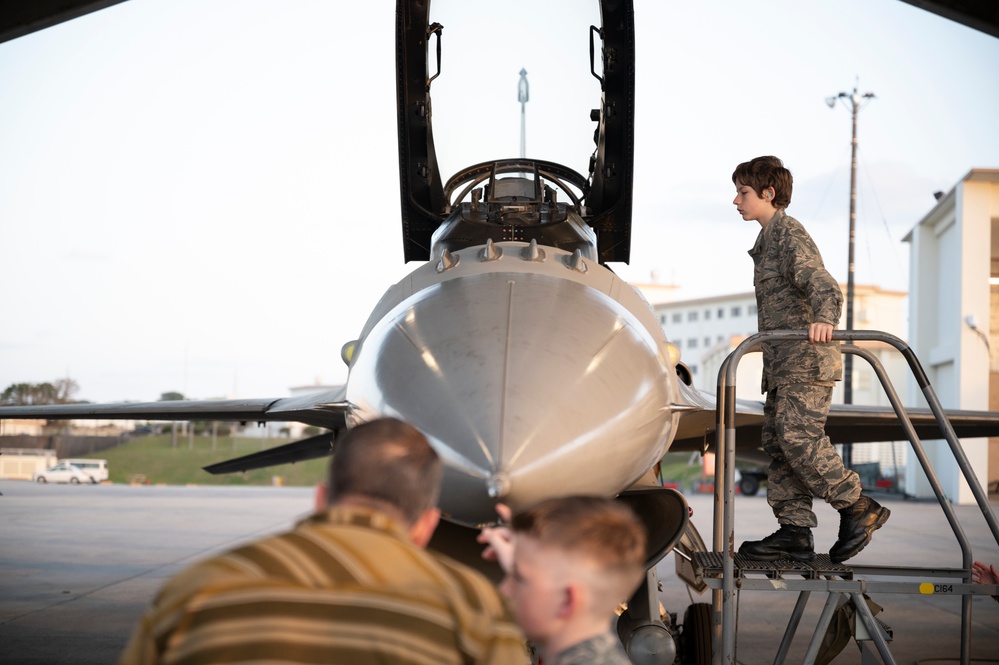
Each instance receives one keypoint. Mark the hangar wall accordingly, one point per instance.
(954, 269)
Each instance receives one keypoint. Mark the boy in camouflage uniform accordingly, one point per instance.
(569, 563)
(795, 292)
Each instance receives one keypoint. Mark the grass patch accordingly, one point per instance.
(676, 468)
(156, 459)
(159, 461)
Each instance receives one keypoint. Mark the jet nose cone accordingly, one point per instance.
(498, 485)
(526, 384)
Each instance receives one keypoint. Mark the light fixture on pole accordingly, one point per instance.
(972, 323)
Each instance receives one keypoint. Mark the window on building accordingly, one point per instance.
(691, 316)
(677, 317)
(693, 370)
(662, 319)
(707, 341)
(721, 337)
(736, 311)
(692, 343)
(752, 310)
(721, 312)
(707, 315)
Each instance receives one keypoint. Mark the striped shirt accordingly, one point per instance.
(344, 586)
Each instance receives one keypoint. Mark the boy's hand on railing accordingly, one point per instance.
(820, 333)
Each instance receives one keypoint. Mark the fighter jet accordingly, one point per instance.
(534, 369)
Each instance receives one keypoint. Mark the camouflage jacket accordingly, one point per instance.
(794, 290)
(603, 649)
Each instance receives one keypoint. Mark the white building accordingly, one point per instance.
(697, 326)
(707, 330)
(21, 463)
(954, 320)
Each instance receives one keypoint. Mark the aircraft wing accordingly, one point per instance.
(845, 424)
(324, 409)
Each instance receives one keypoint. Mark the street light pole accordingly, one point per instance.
(854, 101)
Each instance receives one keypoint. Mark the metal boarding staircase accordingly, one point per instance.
(726, 572)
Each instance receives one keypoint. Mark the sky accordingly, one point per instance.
(202, 196)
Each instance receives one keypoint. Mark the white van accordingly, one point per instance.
(95, 468)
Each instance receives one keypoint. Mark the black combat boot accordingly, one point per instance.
(856, 524)
(788, 542)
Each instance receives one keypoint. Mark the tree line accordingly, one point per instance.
(61, 391)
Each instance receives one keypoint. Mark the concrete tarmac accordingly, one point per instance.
(79, 564)
(926, 628)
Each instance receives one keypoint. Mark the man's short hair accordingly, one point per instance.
(387, 460)
(604, 531)
(762, 172)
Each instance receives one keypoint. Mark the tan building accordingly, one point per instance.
(19, 427)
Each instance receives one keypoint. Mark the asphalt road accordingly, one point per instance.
(78, 564)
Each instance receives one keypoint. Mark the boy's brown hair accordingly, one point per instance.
(606, 532)
(762, 172)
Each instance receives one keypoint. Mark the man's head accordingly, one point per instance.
(575, 560)
(768, 178)
(387, 463)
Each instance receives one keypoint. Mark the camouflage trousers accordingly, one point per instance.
(804, 462)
